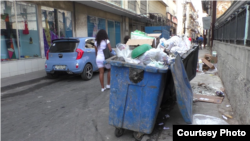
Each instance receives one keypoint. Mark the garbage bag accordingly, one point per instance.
(122, 50)
(132, 61)
(179, 50)
(153, 54)
(157, 64)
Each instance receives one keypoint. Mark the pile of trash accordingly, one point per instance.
(207, 64)
(144, 55)
(175, 44)
(161, 56)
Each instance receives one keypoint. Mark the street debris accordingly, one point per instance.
(161, 123)
(207, 98)
(228, 116)
(167, 116)
(224, 117)
(200, 119)
(165, 128)
(203, 89)
(207, 64)
(228, 106)
(220, 94)
(225, 113)
(210, 65)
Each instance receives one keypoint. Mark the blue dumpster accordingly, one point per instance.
(135, 96)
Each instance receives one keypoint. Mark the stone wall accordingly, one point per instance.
(234, 71)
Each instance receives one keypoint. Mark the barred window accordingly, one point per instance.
(132, 5)
(143, 8)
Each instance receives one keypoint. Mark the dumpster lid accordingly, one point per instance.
(134, 42)
(156, 35)
(184, 93)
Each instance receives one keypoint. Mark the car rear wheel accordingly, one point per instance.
(87, 73)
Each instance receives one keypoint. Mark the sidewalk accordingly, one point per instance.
(20, 80)
(204, 108)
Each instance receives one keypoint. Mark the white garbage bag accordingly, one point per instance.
(122, 50)
(153, 54)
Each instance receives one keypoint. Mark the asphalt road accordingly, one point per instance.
(65, 109)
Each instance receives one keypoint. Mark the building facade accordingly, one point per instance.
(27, 28)
(187, 15)
(172, 16)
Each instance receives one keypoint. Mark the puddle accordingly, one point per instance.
(203, 89)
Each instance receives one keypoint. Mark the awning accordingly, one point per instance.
(112, 8)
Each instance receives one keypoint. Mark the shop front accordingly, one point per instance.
(23, 47)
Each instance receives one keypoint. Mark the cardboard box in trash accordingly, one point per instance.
(138, 42)
(156, 36)
(211, 58)
(152, 42)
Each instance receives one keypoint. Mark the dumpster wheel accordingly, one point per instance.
(138, 136)
(119, 132)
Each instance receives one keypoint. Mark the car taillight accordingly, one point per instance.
(46, 66)
(79, 53)
(77, 65)
(47, 55)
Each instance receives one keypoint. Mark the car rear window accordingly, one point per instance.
(63, 47)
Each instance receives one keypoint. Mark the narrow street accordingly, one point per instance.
(66, 109)
(69, 108)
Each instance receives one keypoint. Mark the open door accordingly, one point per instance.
(184, 93)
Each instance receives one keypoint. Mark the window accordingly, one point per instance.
(9, 46)
(90, 43)
(56, 24)
(25, 24)
(143, 7)
(28, 30)
(62, 46)
(94, 25)
(132, 5)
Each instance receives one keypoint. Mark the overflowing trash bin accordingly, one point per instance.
(144, 79)
(135, 96)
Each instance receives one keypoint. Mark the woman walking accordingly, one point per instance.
(101, 42)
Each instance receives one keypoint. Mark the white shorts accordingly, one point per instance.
(99, 62)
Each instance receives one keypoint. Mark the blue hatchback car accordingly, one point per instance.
(72, 55)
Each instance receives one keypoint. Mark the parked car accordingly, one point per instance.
(72, 55)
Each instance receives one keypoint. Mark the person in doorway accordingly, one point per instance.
(101, 42)
(200, 40)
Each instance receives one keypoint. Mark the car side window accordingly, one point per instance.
(90, 43)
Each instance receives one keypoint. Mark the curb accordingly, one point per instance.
(11, 86)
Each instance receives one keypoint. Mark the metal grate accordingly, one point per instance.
(132, 5)
(241, 21)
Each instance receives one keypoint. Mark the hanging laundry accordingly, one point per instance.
(26, 30)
